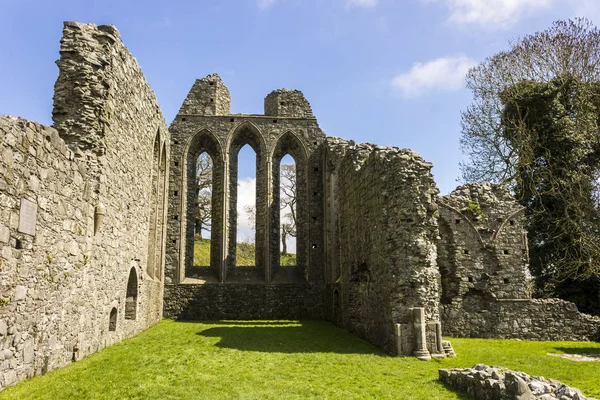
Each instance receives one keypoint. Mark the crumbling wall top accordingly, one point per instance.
(287, 103)
(208, 96)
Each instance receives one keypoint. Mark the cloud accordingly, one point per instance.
(264, 4)
(491, 14)
(361, 3)
(246, 196)
(440, 75)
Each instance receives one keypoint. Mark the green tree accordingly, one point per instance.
(567, 48)
(554, 127)
(533, 125)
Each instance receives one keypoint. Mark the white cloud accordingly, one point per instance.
(439, 75)
(246, 196)
(491, 14)
(264, 4)
(361, 3)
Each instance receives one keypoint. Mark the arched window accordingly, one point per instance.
(246, 140)
(202, 210)
(160, 215)
(245, 255)
(153, 206)
(289, 174)
(287, 210)
(112, 321)
(132, 295)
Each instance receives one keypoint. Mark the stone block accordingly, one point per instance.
(28, 351)
(4, 234)
(20, 293)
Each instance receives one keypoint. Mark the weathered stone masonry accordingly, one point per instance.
(482, 258)
(97, 220)
(75, 211)
(370, 210)
(204, 124)
(381, 232)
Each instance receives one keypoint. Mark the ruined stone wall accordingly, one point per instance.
(287, 103)
(243, 301)
(210, 97)
(490, 383)
(482, 257)
(74, 274)
(483, 247)
(385, 234)
(195, 131)
(527, 319)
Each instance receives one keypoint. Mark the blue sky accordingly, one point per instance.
(389, 72)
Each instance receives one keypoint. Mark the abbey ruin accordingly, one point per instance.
(97, 214)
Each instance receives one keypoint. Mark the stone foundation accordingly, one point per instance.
(530, 319)
(243, 302)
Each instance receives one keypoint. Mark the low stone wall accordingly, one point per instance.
(497, 383)
(243, 301)
(530, 319)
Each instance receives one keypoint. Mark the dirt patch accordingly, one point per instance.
(578, 357)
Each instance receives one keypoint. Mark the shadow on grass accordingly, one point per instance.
(274, 337)
(241, 322)
(460, 395)
(579, 350)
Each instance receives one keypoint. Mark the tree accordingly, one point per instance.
(288, 202)
(554, 127)
(567, 48)
(533, 125)
(204, 168)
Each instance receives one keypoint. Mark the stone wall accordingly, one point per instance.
(483, 247)
(208, 96)
(287, 103)
(527, 319)
(243, 301)
(75, 211)
(482, 257)
(380, 235)
(195, 131)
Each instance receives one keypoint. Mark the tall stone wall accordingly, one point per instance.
(208, 291)
(76, 210)
(381, 227)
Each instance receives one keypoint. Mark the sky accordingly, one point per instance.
(389, 72)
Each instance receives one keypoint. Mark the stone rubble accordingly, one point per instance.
(497, 383)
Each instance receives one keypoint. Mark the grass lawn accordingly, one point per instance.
(285, 360)
(244, 254)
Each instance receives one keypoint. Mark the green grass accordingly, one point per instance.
(201, 252)
(285, 360)
(287, 260)
(244, 254)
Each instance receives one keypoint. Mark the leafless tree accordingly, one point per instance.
(204, 171)
(567, 48)
(287, 202)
